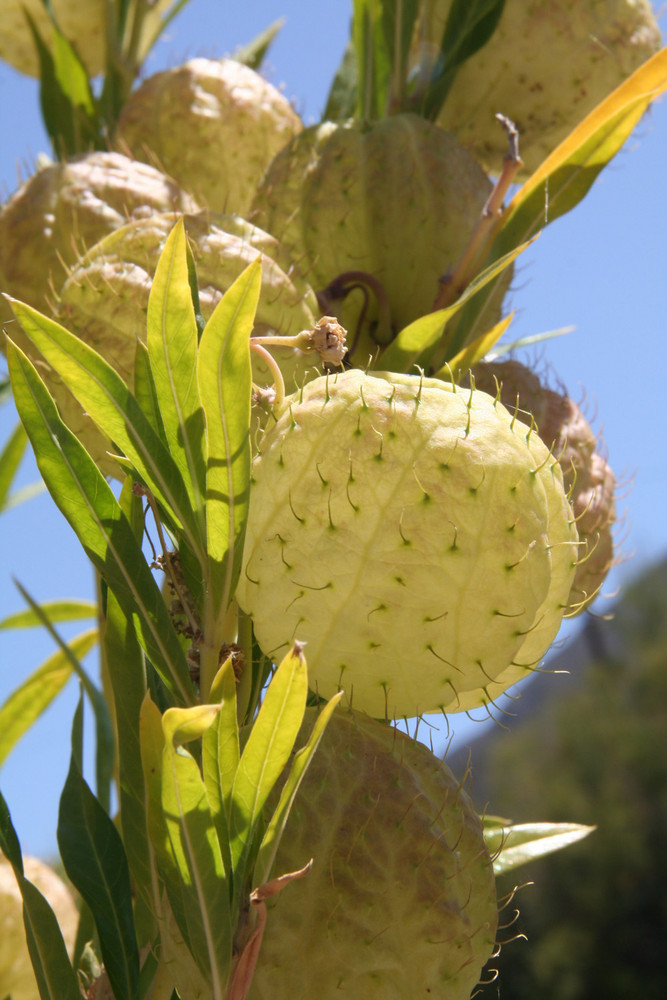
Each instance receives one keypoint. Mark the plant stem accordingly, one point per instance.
(474, 256)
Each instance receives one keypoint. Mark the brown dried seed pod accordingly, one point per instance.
(589, 480)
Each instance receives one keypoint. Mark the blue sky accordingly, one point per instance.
(603, 269)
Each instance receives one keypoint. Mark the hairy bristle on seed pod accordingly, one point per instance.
(400, 901)
(417, 536)
(589, 480)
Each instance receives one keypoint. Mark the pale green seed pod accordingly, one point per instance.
(400, 901)
(547, 65)
(395, 199)
(17, 979)
(416, 536)
(63, 209)
(212, 124)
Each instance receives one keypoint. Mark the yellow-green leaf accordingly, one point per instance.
(512, 846)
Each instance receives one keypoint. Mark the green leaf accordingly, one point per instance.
(27, 702)
(9, 842)
(470, 25)
(182, 725)
(512, 846)
(66, 98)
(94, 859)
(172, 349)
(56, 979)
(276, 826)
(152, 742)
(342, 99)
(193, 837)
(225, 382)
(381, 35)
(398, 23)
(268, 748)
(475, 351)
(106, 398)
(254, 53)
(220, 754)
(56, 611)
(123, 665)
(10, 459)
(86, 500)
(372, 58)
(564, 178)
(428, 334)
(145, 394)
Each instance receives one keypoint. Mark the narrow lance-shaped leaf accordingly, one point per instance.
(109, 402)
(144, 392)
(225, 381)
(220, 754)
(56, 611)
(342, 99)
(194, 841)
(55, 976)
(267, 750)
(66, 98)
(172, 348)
(470, 25)
(94, 859)
(427, 338)
(124, 667)
(513, 846)
(10, 459)
(25, 704)
(152, 742)
(86, 500)
(276, 826)
(373, 58)
(254, 52)
(475, 351)
(398, 22)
